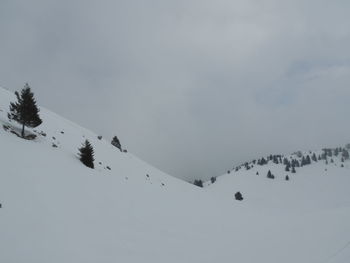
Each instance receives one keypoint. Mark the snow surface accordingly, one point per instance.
(54, 209)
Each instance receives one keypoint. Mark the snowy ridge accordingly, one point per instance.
(54, 209)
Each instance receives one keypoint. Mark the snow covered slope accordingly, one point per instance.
(54, 209)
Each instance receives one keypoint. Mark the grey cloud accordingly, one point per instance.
(192, 87)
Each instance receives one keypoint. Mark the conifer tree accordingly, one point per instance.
(287, 167)
(115, 142)
(25, 111)
(293, 170)
(86, 154)
(270, 175)
(307, 160)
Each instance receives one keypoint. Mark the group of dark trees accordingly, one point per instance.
(86, 152)
(26, 112)
(198, 183)
(299, 159)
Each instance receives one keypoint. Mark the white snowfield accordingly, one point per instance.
(56, 210)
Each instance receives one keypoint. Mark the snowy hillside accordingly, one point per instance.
(54, 209)
(300, 182)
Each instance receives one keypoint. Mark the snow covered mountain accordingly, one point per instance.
(54, 209)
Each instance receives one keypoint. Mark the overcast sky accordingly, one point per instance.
(191, 86)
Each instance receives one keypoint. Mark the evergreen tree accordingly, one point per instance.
(213, 179)
(336, 152)
(287, 178)
(293, 170)
(307, 160)
(287, 167)
(25, 111)
(86, 154)
(115, 142)
(270, 175)
(345, 154)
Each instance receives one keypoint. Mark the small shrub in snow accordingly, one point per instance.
(99, 137)
(213, 179)
(29, 137)
(238, 196)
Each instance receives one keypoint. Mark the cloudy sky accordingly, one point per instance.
(191, 86)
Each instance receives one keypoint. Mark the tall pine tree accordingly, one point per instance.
(86, 154)
(25, 111)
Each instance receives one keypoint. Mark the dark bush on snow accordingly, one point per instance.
(198, 183)
(238, 196)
